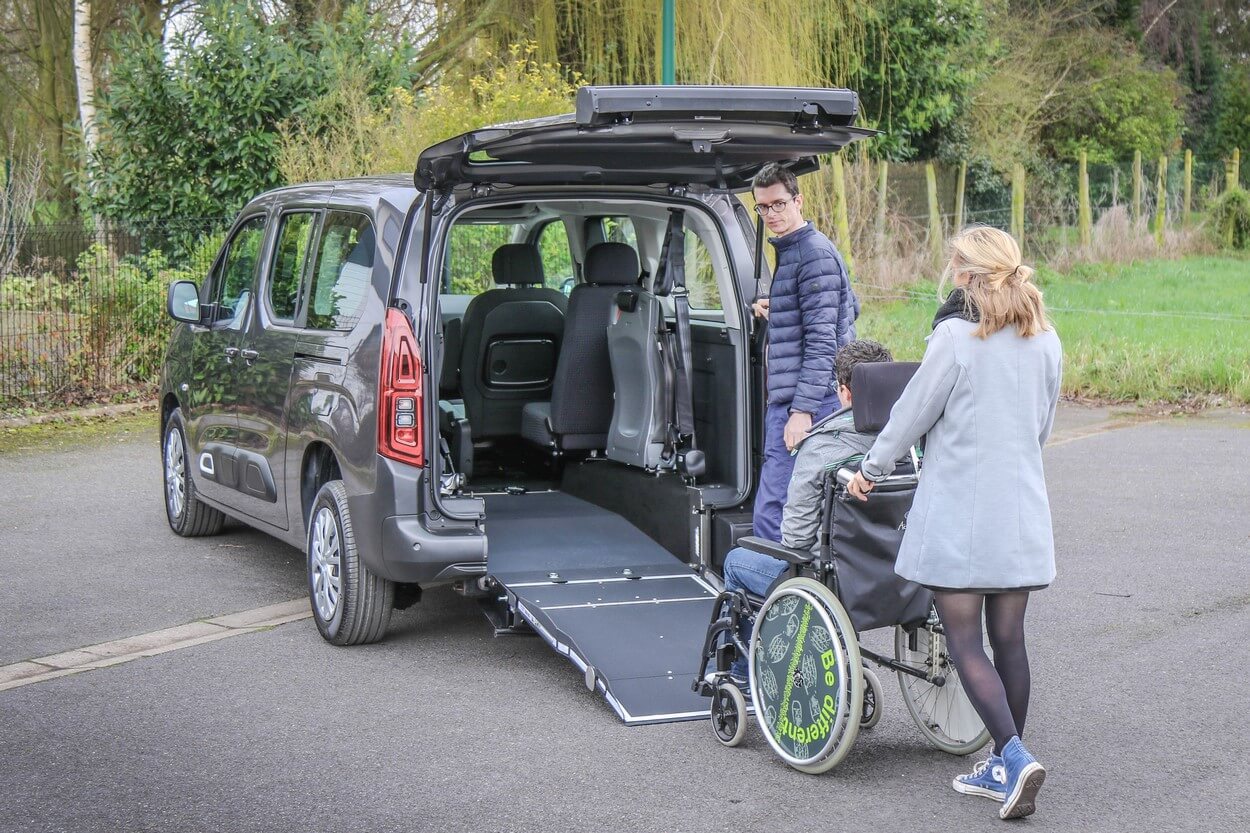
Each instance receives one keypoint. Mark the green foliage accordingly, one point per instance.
(918, 72)
(190, 128)
(1230, 215)
(352, 136)
(1232, 113)
(1124, 105)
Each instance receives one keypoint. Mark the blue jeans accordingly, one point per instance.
(755, 573)
(778, 465)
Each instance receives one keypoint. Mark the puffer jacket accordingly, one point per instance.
(812, 312)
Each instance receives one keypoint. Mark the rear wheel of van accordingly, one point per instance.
(188, 516)
(351, 605)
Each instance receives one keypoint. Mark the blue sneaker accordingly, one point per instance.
(1024, 778)
(988, 779)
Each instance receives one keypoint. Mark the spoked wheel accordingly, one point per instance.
(937, 701)
(871, 714)
(729, 714)
(806, 676)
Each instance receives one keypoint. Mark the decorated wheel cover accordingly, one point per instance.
(798, 666)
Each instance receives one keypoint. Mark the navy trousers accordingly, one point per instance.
(778, 465)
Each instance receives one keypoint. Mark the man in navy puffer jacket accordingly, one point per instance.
(811, 312)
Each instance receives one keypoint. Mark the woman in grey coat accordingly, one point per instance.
(979, 531)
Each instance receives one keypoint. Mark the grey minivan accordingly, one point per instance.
(528, 371)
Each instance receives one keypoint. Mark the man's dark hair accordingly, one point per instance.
(775, 173)
(864, 350)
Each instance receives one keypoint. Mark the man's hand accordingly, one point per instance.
(760, 308)
(796, 428)
(860, 486)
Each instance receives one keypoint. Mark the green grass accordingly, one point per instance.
(1166, 330)
(73, 431)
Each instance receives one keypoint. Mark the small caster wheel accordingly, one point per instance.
(729, 714)
(871, 715)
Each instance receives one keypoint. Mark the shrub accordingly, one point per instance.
(1230, 215)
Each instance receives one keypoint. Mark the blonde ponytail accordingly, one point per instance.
(1000, 288)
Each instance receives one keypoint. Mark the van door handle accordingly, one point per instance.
(249, 356)
(231, 353)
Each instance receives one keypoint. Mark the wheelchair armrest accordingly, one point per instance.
(893, 483)
(778, 551)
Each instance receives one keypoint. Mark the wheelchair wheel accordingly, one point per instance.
(943, 713)
(873, 700)
(729, 714)
(806, 675)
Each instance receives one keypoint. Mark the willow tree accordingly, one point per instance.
(785, 42)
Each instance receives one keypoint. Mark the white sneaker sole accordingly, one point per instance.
(968, 789)
(1023, 799)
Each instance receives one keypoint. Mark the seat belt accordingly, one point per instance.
(672, 282)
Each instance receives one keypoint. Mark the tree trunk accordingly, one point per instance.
(83, 74)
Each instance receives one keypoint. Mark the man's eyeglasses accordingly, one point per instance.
(764, 209)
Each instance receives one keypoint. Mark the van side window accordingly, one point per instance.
(701, 275)
(470, 251)
(294, 240)
(619, 230)
(237, 272)
(343, 271)
(553, 243)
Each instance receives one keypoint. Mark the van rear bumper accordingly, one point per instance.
(399, 541)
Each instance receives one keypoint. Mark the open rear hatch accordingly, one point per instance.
(715, 136)
(629, 614)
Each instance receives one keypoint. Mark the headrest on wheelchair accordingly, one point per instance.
(875, 387)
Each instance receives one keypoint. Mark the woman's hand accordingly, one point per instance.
(860, 486)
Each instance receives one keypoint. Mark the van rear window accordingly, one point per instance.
(343, 272)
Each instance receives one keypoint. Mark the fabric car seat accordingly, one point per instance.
(580, 410)
(642, 378)
(510, 338)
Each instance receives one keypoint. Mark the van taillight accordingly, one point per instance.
(400, 411)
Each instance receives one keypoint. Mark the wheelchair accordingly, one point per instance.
(812, 689)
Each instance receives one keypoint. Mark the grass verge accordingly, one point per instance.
(72, 431)
(1164, 331)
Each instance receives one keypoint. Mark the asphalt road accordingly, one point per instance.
(1139, 660)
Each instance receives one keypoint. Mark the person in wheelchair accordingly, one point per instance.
(831, 444)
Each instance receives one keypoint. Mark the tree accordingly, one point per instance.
(190, 129)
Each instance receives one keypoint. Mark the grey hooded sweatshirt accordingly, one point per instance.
(831, 445)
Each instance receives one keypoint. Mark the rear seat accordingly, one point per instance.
(580, 410)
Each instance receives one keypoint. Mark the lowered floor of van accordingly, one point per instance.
(628, 613)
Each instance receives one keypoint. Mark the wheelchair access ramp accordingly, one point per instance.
(629, 614)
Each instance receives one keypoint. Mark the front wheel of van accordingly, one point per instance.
(188, 516)
(350, 604)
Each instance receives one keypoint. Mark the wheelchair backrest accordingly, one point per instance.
(875, 387)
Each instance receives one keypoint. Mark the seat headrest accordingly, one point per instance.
(612, 263)
(517, 264)
(875, 387)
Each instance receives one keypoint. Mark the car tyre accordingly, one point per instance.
(188, 516)
(350, 604)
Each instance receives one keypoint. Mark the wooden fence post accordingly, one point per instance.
(960, 182)
(1017, 204)
(1136, 185)
(1161, 200)
(935, 218)
(840, 212)
(1189, 186)
(1237, 167)
(1083, 212)
(883, 178)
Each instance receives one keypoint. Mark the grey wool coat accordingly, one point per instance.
(981, 517)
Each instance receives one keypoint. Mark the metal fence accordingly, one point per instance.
(82, 310)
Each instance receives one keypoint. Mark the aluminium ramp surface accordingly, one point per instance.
(605, 595)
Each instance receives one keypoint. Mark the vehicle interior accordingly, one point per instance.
(556, 407)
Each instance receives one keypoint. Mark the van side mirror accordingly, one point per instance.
(184, 302)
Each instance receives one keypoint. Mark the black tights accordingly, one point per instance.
(999, 691)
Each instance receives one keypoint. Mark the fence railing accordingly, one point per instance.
(82, 311)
